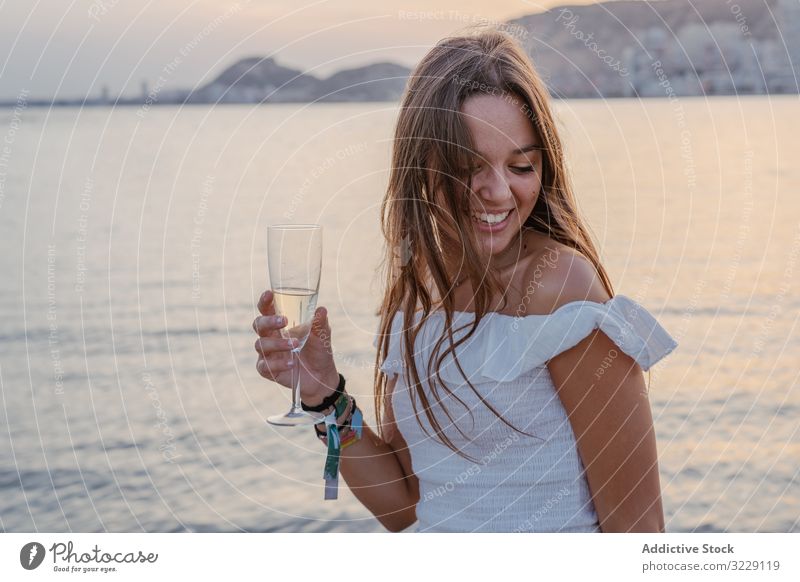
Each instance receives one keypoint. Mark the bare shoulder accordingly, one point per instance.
(559, 274)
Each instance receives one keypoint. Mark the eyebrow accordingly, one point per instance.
(522, 150)
(528, 148)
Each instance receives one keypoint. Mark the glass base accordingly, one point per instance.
(296, 418)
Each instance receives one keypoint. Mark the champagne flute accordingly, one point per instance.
(295, 262)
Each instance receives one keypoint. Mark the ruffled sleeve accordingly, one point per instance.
(533, 340)
(506, 346)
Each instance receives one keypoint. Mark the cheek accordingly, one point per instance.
(526, 191)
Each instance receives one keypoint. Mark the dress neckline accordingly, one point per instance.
(559, 309)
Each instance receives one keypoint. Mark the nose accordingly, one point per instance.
(491, 186)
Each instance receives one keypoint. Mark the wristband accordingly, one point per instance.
(335, 443)
(328, 401)
(343, 422)
(331, 470)
(348, 440)
(347, 434)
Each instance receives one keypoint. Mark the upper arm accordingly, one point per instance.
(603, 393)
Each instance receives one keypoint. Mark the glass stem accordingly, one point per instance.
(296, 383)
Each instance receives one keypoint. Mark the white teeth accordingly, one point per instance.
(491, 218)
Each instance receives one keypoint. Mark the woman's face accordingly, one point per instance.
(506, 176)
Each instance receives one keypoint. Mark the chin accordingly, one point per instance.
(496, 238)
(495, 244)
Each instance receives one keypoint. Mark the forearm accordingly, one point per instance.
(374, 473)
(631, 495)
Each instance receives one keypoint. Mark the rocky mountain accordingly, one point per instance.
(262, 79)
(376, 82)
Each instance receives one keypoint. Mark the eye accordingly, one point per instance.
(471, 170)
(522, 169)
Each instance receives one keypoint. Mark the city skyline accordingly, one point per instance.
(53, 51)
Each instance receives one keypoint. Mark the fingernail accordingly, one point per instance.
(290, 363)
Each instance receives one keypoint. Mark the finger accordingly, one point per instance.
(268, 325)
(270, 367)
(265, 304)
(266, 346)
(320, 326)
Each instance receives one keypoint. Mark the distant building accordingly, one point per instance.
(787, 15)
(666, 48)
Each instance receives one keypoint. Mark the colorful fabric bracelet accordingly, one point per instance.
(322, 433)
(342, 421)
(343, 427)
(335, 442)
(348, 440)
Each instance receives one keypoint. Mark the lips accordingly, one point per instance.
(491, 217)
(494, 221)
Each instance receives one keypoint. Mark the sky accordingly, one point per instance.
(75, 48)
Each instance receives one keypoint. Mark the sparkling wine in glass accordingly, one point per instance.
(295, 262)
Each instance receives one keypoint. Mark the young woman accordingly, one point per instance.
(509, 392)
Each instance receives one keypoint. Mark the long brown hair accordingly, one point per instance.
(425, 203)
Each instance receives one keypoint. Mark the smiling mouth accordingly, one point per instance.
(490, 218)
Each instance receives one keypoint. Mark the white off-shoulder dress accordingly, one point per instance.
(515, 483)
